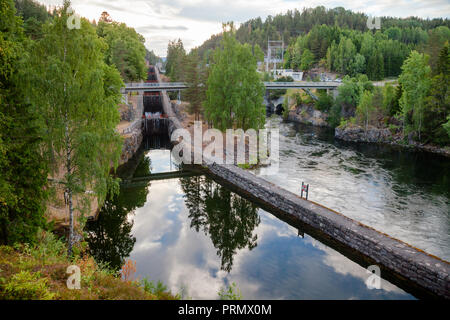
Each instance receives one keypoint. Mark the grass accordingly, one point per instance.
(39, 272)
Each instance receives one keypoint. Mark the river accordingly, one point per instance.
(196, 236)
(402, 193)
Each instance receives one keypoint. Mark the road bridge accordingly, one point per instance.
(175, 86)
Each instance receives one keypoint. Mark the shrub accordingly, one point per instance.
(231, 293)
(27, 286)
(334, 117)
(325, 102)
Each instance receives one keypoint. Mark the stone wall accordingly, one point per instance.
(132, 134)
(427, 271)
(131, 144)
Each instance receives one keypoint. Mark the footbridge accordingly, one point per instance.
(175, 86)
(143, 181)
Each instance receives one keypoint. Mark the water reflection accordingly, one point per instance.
(228, 219)
(195, 234)
(109, 237)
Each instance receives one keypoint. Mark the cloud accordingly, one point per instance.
(151, 28)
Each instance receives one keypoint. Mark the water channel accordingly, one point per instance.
(197, 236)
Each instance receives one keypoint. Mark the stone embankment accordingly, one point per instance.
(132, 133)
(401, 260)
(359, 134)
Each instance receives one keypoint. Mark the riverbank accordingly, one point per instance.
(355, 133)
(306, 114)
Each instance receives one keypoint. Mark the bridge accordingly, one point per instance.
(176, 86)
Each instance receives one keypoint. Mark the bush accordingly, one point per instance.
(325, 102)
(27, 286)
(334, 118)
(231, 293)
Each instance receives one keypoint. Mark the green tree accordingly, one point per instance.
(195, 77)
(438, 101)
(375, 66)
(447, 126)
(77, 95)
(175, 62)
(34, 16)
(23, 173)
(325, 101)
(234, 95)
(350, 93)
(346, 53)
(125, 49)
(335, 115)
(359, 65)
(307, 60)
(365, 109)
(390, 101)
(415, 81)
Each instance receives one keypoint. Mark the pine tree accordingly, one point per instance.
(195, 80)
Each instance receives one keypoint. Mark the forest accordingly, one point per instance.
(411, 52)
(51, 76)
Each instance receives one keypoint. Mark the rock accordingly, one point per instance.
(308, 115)
(358, 134)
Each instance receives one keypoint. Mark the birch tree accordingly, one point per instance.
(77, 95)
(415, 81)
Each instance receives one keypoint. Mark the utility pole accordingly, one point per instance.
(274, 46)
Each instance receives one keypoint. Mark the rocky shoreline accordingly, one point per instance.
(354, 133)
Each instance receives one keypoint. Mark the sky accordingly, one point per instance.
(194, 21)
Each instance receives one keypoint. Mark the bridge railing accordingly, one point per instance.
(329, 84)
(154, 84)
(182, 85)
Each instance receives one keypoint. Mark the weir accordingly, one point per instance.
(154, 118)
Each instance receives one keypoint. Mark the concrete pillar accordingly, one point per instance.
(335, 93)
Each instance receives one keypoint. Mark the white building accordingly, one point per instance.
(296, 75)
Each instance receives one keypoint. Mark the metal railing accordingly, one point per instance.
(268, 85)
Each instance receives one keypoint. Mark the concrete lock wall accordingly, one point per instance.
(425, 270)
(424, 273)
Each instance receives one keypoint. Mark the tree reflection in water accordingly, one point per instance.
(228, 219)
(109, 237)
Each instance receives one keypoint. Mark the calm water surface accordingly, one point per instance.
(197, 237)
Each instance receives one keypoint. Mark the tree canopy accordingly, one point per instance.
(125, 49)
(23, 173)
(80, 115)
(234, 95)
